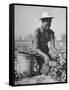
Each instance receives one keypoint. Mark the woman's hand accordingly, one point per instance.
(53, 52)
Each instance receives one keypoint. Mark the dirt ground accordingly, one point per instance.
(36, 79)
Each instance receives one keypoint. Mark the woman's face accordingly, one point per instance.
(46, 24)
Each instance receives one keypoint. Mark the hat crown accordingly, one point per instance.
(46, 15)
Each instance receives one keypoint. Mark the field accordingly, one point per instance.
(24, 62)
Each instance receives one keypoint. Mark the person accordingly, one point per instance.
(43, 36)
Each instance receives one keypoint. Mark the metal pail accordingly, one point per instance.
(24, 64)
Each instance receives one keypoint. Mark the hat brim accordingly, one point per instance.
(46, 18)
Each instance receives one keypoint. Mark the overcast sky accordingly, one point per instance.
(27, 20)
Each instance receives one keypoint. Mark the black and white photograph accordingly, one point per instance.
(40, 44)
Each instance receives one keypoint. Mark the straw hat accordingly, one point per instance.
(46, 15)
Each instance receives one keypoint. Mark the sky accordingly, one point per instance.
(27, 20)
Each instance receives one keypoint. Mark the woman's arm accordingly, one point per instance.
(42, 54)
(35, 40)
(52, 40)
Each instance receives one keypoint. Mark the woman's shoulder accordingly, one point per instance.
(37, 30)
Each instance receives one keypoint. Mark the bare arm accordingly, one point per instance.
(52, 40)
(41, 53)
(52, 49)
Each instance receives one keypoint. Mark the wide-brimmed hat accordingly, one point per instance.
(46, 15)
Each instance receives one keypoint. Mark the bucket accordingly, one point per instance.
(24, 64)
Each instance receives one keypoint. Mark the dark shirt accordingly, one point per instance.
(42, 39)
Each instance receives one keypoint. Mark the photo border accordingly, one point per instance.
(12, 42)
